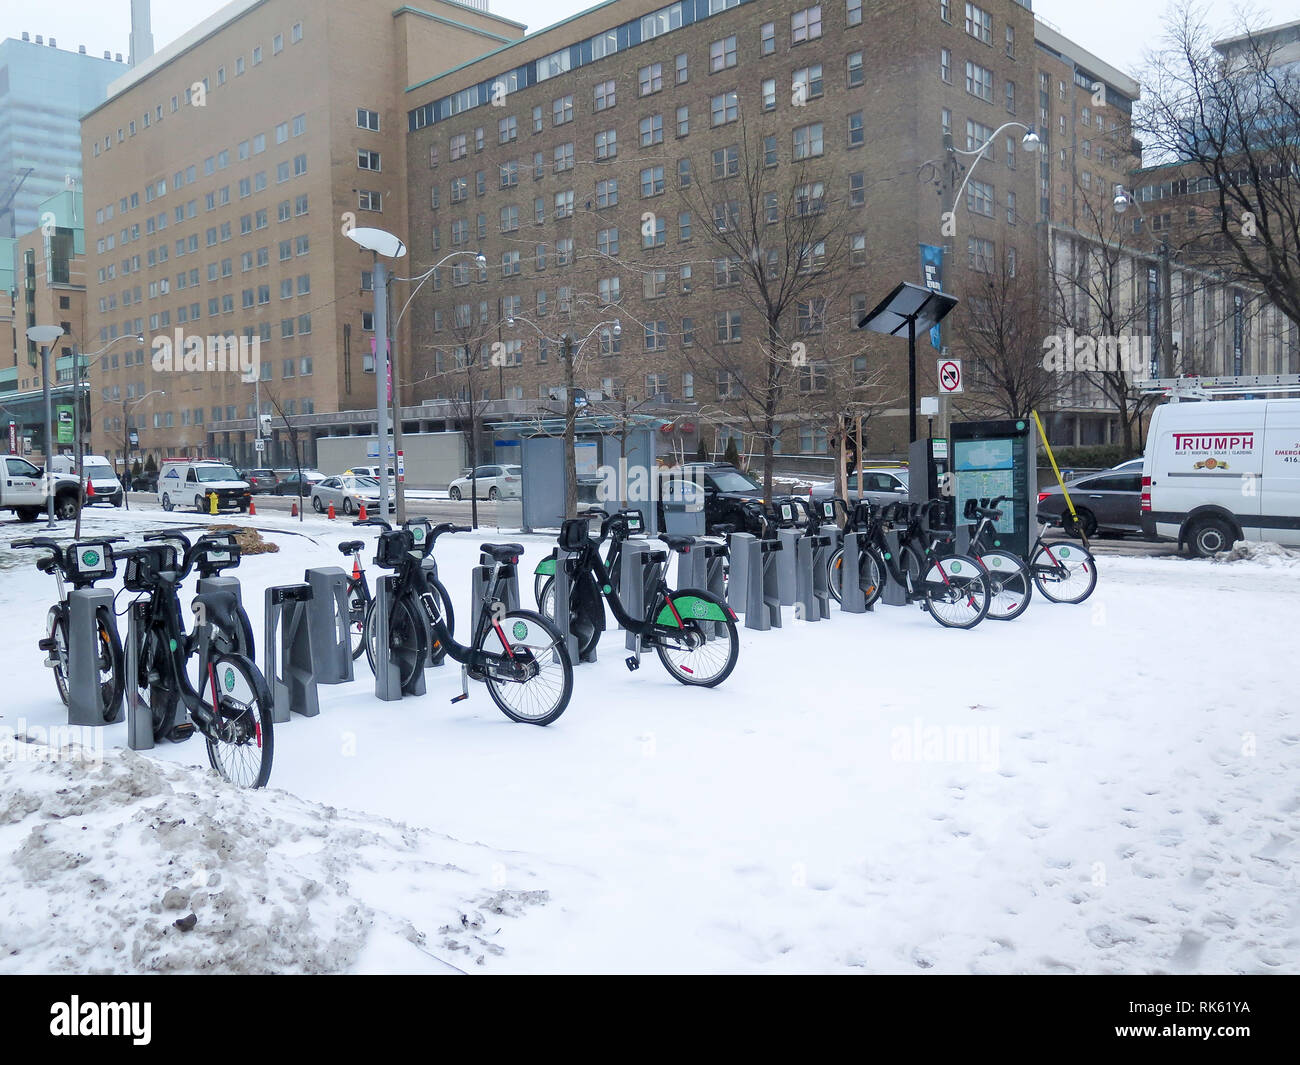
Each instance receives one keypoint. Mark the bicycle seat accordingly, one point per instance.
(506, 553)
(219, 609)
(351, 547)
(723, 530)
(680, 544)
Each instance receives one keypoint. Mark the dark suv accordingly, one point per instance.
(726, 491)
(261, 482)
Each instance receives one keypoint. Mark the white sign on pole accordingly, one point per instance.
(260, 446)
(950, 379)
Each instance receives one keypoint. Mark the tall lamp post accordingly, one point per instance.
(1123, 198)
(45, 335)
(383, 245)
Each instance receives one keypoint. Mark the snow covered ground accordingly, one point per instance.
(1104, 788)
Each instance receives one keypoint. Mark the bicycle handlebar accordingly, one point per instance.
(448, 527)
(375, 521)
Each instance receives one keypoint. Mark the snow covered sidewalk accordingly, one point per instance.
(1104, 788)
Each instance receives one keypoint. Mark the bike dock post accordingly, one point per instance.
(740, 547)
(805, 603)
(205, 585)
(852, 598)
(289, 666)
(388, 676)
(787, 564)
(139, 718)
(85, 701)
(894, 594)
(481, 576)
(634, 570)
(824, 544)
(769, 587)
(328, 624)
(563, 587)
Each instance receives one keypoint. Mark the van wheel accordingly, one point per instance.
(1087, 522)
(65, 508)
(1209, 536)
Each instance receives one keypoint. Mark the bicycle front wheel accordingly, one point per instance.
(408, 638)
(1066, 573)
(702, 651)
(240, 733)
(358, 603)
(956, 592)
(1010, 586)
(534, 682)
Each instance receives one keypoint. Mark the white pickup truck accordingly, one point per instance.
(22, 490)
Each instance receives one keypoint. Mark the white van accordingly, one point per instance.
(1218, 471)
(192, 483)
(98, 472)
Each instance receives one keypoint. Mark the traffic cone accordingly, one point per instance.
(90, 490)
(293, 510)
(331, 512)
(252, 507)
(361, 514)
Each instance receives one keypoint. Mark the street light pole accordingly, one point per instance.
(45, 335)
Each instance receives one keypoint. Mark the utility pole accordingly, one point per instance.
(570, 431)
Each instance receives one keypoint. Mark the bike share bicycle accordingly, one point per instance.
(692, 631)
(81, 565)
(1063, 573)
(1010, 585)
(361, 601)
(517, 654)
(230, 704)
(952, 588)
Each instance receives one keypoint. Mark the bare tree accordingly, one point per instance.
(291, 427)
(1231, 117)
(1000, 327)
(782, 244)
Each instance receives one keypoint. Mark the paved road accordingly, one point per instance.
(434, 509)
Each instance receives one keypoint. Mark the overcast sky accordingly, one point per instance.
(1117, 31)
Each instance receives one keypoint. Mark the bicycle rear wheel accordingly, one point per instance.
(1010, 585)
(1066, 573)
(532, 641)
(108, 658)
(241, 739)
(699, 654)
(956, 591)
(358, 604)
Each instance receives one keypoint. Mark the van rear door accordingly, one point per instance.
(1280, 484)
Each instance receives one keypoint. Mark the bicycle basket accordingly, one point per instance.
(393, 549)
(573, 533)
(144, 566)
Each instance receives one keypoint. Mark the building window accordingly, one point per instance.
(979, 198)
(945, 64)
(605, 95)
(855, 69)
(651, 78)
(979, 81)
(367, 160)
(726, 162)
(652, 181)
(854, 12)
(725, 108)
(652, 130)
(767, 38)
(857, 189)
(562, 110)
(979, 255)
(683, 74)
(507, 129)
(368, 200)
(722, 54)
(806, 25)
(979, 23)
(857, 133)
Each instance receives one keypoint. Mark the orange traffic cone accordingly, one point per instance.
(252, 507)
(331, 512)
(293, 510)
(90, 490)
(361, 515)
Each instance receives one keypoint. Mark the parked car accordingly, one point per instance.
(369, 471)
(145, 481)
(1223, 471)
(261, 482)
(193, 482)
(883, 484)
(348, 494)
(22, 490)
(495, 482)
(726, 491)
(289, 484)
(1109, 501)
(97, 472)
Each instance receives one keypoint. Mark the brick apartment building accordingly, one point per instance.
(219, 174)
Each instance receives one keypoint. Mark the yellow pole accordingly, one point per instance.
(1042, 433)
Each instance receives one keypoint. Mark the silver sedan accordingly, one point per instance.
(348, 494)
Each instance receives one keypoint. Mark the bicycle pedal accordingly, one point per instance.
(47, 644)
(181, 732)
(632, 664)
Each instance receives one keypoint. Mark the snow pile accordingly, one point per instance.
(133, 865)
(1265, 553)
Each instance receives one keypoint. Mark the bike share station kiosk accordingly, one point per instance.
(997, 458)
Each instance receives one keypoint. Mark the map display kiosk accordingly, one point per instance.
(998, 458)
